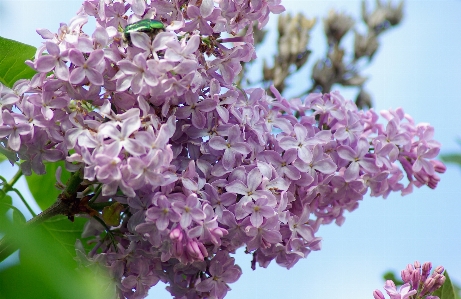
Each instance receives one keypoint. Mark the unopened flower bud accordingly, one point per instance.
(194, 251)
(406, 275)
(176, 234)
(428, 285)
(439, 269)
(378, 295)
(433, 181)
(390, 283)
(422, 177)
(426, 270)
(439, 282)
(415, 278)
(438, 166)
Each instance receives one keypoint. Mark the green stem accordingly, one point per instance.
(96, 193)
(9, 187)
(60, 207)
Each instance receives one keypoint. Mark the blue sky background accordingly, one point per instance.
(418, 67)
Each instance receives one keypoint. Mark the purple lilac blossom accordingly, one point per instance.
(159, 124)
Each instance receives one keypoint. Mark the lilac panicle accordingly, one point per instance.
(201, 166)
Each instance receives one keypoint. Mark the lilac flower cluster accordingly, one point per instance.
(418, 281)
(201, 166)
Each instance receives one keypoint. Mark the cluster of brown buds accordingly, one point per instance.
(294, 34)
(337, 66)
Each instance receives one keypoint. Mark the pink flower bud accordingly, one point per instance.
(415, 278)
(378, 295)
(194, 251)
(438, 166)
(439, 282)
(390, 283)
(426, 269)
(439, 270)
(176, 234)
(428, 285)
(406, 275)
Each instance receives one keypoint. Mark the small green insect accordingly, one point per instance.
(151, 27)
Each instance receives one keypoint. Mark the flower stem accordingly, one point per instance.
(9, 187)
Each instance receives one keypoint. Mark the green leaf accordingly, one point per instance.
(46, 271)
(446, 291)
(389, 275)
(2, 157)
(5, 204)
(13, 55)
(43, 187)
(451, 158)
(65, 232)
(18, 217)
(111, 214)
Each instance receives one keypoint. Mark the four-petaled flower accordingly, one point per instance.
(91, 68)
(233, 147)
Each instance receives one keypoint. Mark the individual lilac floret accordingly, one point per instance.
(56, 60)
(417, 283)
(91, 68)
(233, 147)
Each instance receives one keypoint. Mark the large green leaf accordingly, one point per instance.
(13, 55)
(446, 291)
(43, 187)
(5, 203)
(65, 232)
(48, 271)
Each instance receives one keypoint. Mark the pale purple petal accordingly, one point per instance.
(352, 172)
(325, 165)
(77, 76)
(254, 179)
(305, 154)
(272, 236)
(162, 39)
(228, 159)
(256, 219)
(206, 8)
(241, 147)
(192, 44)
(237, 187)
(95, 57)
(288, 142)
(138, 7)
(94, 76)
(45, 63)
(76, 57)
(346, 153)
(218, 143)
(140, 40)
